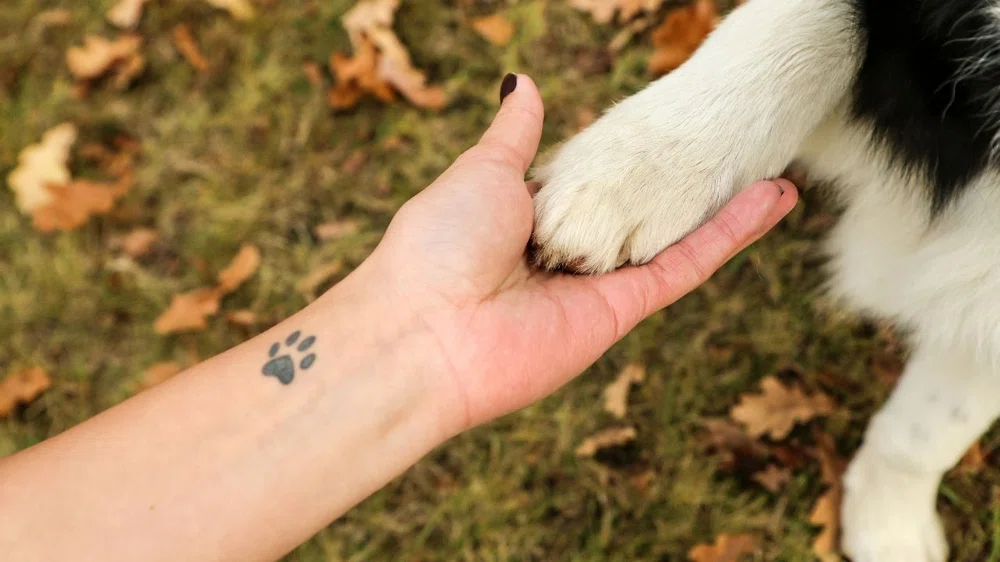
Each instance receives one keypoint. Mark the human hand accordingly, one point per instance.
(510, 335)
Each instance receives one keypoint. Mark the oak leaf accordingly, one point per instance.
(604, 11)
(680, 35)
(381, 63)
(126, 13)
(616, 393)
(41, 165)
(496, 29)
(73, 204)
(778, 408)
(826, 511)
(727, 548)
(608, 438)
(99, 56)
(188, 311)
(22, 387)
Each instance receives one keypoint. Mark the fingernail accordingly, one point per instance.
(508, 86)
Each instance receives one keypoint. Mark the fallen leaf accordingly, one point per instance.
(243, 267)
(126, 13)
(41, 165)
(99, 56)
(22, 387)
(337, 229)
(608, 438)
(727, 548)
(496, 29)
(773, 478)
(139, 241)
(188, 311)
(777, 410)
(732, 444)
(680, 35)
(71, 205)
(188, 48)
(826, 512)
(381, 63)
(974, 460)
(616, 394)
(246, 318)
(240, 9)
(158, 373)
(604, 11)
(308, 284)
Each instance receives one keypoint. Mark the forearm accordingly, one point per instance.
(223, 462)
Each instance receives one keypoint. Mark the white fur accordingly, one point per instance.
(657, 164)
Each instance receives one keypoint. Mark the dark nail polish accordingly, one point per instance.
(508, 86)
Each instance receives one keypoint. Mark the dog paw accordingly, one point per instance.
(282, 367)
(888, 513)
(622, 191)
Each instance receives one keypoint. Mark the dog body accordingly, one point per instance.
(897, 103)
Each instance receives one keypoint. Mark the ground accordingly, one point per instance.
(249, 152)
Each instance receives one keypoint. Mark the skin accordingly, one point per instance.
(443, 328)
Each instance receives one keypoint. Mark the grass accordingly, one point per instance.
(249, 152)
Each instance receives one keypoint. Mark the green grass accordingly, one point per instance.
(250, 153)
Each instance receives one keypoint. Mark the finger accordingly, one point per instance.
(635, 293)
(517, 129)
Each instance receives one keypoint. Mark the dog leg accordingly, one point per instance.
(655, 167)
(942, 404)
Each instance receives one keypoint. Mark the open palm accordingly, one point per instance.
(512, 334)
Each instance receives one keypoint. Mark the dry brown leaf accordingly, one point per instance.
(22, 387)
(604, 439)
(41, 165)
(496, 29)
(604, 11)
(734, 447)
(240, 9)
(308, 284)
(974, 460)
(337, 229)
(616, 393)
(243, 267)
(99, 56)
(777, 410)
(773, 478)
(188, 48)
(246, 318)
(680, 35)
(126, 13)
(826, 512)
(139, 241)
(381, 62)
(158, 373)
(188, 311)
(73, 204)
(727, 548)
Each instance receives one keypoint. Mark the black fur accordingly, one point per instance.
(908, 87)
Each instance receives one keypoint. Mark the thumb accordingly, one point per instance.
(517, 128)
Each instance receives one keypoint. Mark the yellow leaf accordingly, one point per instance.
(778, 409)
(71, 205)
(616, 393)
(41, 165)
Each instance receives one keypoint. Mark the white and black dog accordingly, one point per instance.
(897, 102)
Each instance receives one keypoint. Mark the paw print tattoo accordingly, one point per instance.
(283, 367)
